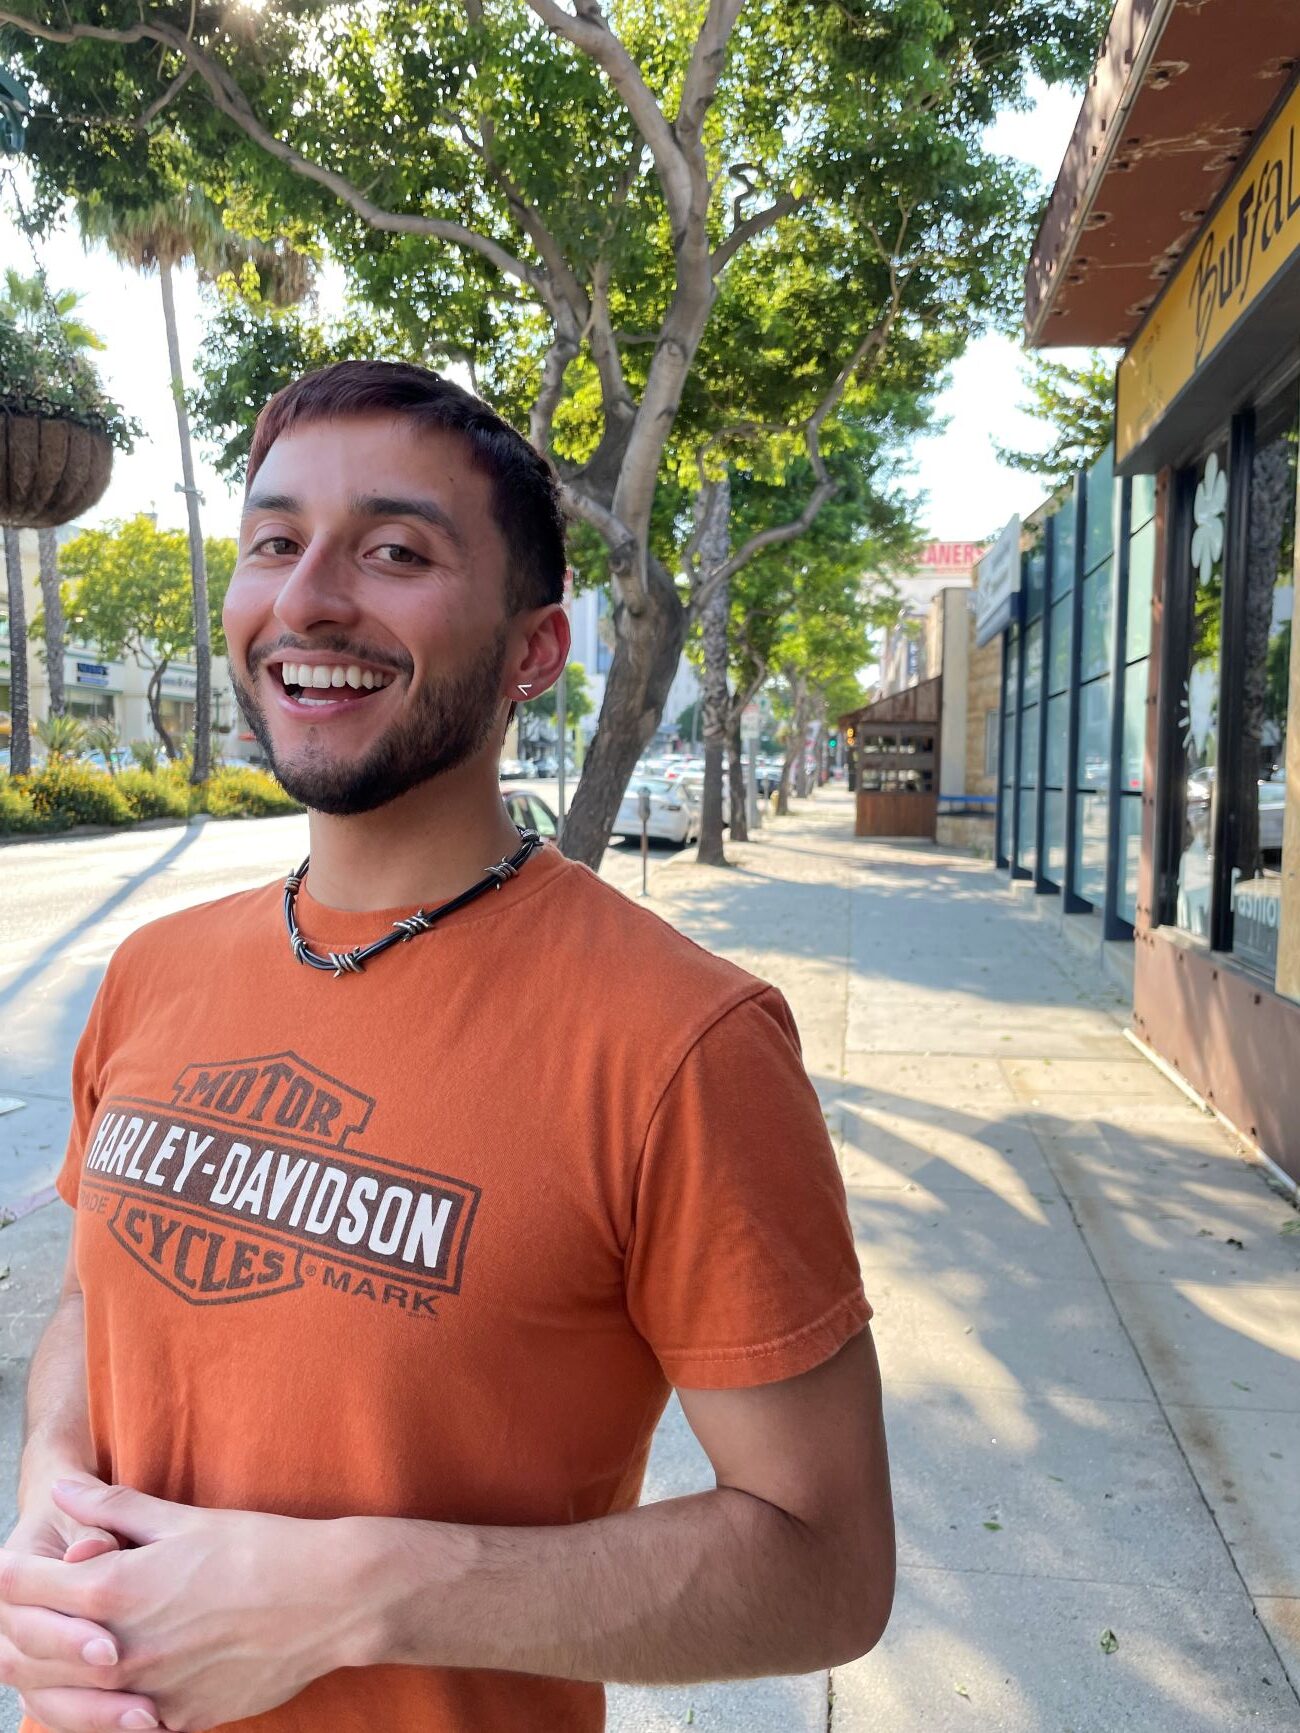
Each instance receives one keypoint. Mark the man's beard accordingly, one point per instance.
(449, 722)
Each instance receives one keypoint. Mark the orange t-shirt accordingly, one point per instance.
(434, 1241)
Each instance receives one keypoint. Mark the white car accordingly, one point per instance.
(673, 815)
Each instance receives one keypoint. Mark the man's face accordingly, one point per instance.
(366, 619)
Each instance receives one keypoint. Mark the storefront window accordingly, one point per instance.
(1099, 512)
(1265, 612)
(1095, 645)
(1058, 672)
(1007, 772)
(1141, 576)
(1135, 718)
(1198, 709)
(1130, 849)
(1063, 549)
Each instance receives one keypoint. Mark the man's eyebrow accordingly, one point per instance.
(271, 502)
(379, 505)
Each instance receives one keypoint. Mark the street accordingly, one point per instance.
(68, 903)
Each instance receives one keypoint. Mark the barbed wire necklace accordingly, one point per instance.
(353, 962)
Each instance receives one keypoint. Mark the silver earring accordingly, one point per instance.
(526, 689)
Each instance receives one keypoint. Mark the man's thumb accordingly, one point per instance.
(90, 1543)
(119, 1510)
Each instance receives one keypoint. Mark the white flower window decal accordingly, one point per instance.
(1207, 513)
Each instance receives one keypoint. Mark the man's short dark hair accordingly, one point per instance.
(525, 491)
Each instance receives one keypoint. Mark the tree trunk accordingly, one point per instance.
(794, 756)
(198, 564)
(647, 649)
(20, 721)
(153, 696)
(739, 816)
(715, 545)
(52, 607)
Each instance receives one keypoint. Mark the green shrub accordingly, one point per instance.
(62, 736)
(146, 753)
(18, 814)
(79, 792)
(240, 791)
(151, 794)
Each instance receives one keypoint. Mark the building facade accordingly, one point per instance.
(1156, 773)
(929, 740)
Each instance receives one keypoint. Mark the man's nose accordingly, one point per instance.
(319, 591)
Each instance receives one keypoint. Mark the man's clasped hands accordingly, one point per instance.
(118, 1610)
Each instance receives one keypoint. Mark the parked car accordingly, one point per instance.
(674, 815)
(526, 809)
(513, 768)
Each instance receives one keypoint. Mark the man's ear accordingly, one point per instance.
(546, 652)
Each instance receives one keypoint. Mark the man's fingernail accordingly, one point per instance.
(137, 1720)
(99, 1652)
(69, 1486)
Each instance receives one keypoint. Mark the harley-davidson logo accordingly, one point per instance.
(202, 1264)
(216, 1202)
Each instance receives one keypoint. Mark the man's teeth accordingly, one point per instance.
(318, 675)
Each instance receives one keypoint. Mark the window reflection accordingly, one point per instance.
(1266, 615)
(1198, 711)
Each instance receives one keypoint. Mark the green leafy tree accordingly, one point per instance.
(128, 590)
(563, 196)
(1076, 405)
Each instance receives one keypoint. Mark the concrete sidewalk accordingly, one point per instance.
(1087, 1314)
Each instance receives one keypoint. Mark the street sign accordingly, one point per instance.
(750, 722)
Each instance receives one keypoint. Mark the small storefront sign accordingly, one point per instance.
(1253, 233)
(178, 683)
(997, 584)
(1256, 917)
(92, 674)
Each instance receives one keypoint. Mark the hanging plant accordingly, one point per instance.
(58, 430)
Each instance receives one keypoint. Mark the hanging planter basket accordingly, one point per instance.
(52, 467)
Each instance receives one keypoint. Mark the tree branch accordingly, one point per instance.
(783, 206)
(587, 29)
(708, 59)
(563, 348)
(169, 95)
(870, 348)
(230, 99)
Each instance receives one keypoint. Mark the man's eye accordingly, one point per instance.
(396, 554)
(275, 545)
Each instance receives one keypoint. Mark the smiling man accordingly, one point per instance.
(406, 1191)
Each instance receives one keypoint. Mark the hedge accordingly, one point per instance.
(65, 792)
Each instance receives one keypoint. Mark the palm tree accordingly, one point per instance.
(28, 301)
(188, 228)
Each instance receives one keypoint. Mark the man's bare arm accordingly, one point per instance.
(787, 1566)
(57, 1439)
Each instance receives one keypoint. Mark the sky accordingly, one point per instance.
(969, 494)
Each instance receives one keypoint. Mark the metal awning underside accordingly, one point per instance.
(1177, 94)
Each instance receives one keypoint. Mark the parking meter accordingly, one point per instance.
(643, 807)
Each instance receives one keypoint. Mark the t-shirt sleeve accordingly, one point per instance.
(85, 1097)
(741, 1268)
